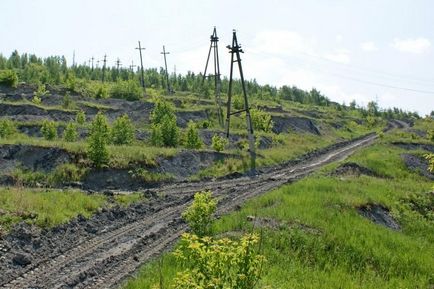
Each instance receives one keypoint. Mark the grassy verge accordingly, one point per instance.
(321, 241)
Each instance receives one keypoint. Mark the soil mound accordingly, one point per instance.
(417, 164)
(300, 124)
(353, 169)
(378, 214)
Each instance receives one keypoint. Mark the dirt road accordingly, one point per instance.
(104, 255)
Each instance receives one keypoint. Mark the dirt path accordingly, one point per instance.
(105, 259)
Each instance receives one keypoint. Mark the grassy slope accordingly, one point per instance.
(324, 243)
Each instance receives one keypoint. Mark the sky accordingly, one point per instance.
(372, 50)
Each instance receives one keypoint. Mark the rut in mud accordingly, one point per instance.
(102, 251)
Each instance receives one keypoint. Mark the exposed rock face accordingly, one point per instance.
(301, 124)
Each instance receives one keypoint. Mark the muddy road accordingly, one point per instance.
(114, 247)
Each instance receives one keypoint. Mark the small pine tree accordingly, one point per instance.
(122, 132)
(70, 134)
(192, 138)
(156, 136)
(169, 131)
(98, 140)
(49, 130)
(7, 128)
(80, 118)
(218, 143)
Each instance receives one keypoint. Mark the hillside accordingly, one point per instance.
(342, 192)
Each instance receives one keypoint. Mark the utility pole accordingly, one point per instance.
(141, 64)
(118, 64)
(92, 62)
(73, 58)
(97, 63)
(217, 81)
(103, 68)
(235, 50)
(169, 90)
(132, 66)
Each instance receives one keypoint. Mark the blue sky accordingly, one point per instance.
(364, 50)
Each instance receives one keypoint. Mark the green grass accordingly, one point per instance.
(323, 242)
(45, 208)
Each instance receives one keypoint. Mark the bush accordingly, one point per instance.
(7, 128)
(98, 140)
(67, 102)
(129, 90)
(169, 131)
(164, 129)
(8, 78)
(122, 132)
(49, 130)
(199, 215)
(66, 173)
(238, 102)
(80, 118)
(218, 143)
(261, 120)
(192, 138)
(219, 263)
(70, 134)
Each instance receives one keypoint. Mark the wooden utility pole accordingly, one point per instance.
(141, 64)
(235, 50)
(118, 64)
(217, 81)
(132, 66)
(104, 67)
(169, 90)
(92, 62)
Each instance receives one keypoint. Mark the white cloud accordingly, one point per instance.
(282, 42)
(416, 45)
(369, 46)
(340, 56)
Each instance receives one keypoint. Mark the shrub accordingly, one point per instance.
(129, 90)
(192, 138)
(70, 134)
(98, 140)
(238, 102)
(156, 135)
(164, 129)
(122, 132)
(199, 215)
(49, 130)
(80, 118)
(66, 173)
(219, 263)
(8, 78)
(67, 102)
(7, 128)
(161, 109)
(218, 143)
(261, 120)
(169, 131)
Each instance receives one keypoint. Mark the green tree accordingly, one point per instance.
(261, 120)
(7, 128)
(218, 143)
(49, 130)
(200, 213)
(122, 132)
(70, 134)
(8, 78)
(80, 118)
(98, 140)
(192, 138)
(165, 132)
(129, 90)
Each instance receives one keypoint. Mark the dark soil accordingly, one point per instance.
(33, 157)
(29, 112)
(417, 164)
(415, 146)
(378, 214)
(353, 169)
(283, 124)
